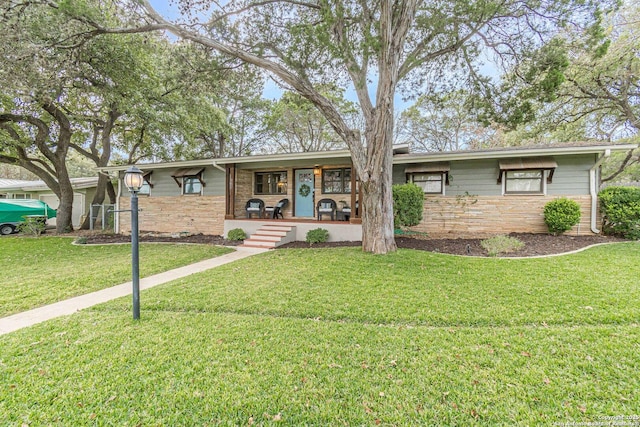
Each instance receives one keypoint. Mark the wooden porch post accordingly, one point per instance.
(355, 217)
(230, 191)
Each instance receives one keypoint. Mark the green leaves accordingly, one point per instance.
(408, 205)
(561, 214)
(621, 211)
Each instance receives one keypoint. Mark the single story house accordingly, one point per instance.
(83, 191)
(466, 193)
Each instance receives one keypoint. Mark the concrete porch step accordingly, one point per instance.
(251, 243)
(265, 237)
(271, 233)
(270, 236)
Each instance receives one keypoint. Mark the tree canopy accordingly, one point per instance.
(138, 96)
(372, 49)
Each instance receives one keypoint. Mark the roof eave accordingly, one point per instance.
(315, 155)
(498, 154)
(398, 159)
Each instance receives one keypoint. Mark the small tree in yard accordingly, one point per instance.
(561, 214)
(408, 204)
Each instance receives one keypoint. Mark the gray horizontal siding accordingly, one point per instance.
(164, 184)
(477, 177)
(480, 177)
(572, 175)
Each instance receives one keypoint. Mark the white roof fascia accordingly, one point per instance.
(397, 159)
(319, 155)
(515, 152)
(76, 184)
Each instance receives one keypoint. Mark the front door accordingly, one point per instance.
(304, 193)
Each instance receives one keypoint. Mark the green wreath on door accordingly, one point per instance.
(304, 190)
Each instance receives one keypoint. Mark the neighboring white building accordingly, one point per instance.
(83, 192)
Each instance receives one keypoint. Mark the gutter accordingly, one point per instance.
(593, 189)
(217, 166)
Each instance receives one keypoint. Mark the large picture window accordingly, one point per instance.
(524, 182)
(336, 181)
(270, 183)
(526, 175)
(431, 183)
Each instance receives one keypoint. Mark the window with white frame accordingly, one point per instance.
(431, 183)
(20, 196)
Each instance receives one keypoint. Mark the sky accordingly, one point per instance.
(273, 91)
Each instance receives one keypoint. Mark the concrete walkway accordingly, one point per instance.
(70, 306)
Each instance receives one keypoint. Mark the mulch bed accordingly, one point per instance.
(534, 244)
(106, 238)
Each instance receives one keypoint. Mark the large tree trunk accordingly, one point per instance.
(377, 196)
(64, 222)
(377, 215)
(98, 199)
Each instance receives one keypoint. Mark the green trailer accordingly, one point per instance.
(14, 211)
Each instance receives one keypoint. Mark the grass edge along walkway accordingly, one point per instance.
(69, 306)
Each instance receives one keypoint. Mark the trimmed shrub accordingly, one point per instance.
(236, 234)
(33, 226)
(317, 235)
(408, 204)
(620, 208)
(561, 214)
(501, 244)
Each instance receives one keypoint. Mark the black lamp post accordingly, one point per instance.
(133, 180)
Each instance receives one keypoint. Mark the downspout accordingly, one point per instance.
(593, 189)
(217, 166)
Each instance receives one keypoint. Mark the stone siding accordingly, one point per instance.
(194, 214)
(478, 216)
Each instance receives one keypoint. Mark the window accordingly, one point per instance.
(526, 175)
(191, 185)
(336, 181)
(524, 182)
(20, 196)
(145, 190)
(189, 180)
(270, 183)
(431, 183)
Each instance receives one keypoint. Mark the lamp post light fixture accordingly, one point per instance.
(133, 180)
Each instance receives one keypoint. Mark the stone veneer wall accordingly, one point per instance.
(479, 216)
(195, 214)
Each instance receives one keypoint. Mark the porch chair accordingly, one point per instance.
(326, 207)
(254, 206)
(276, 211)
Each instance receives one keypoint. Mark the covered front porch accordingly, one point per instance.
(306, 191)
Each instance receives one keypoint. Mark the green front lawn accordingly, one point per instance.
(338, 337)
(41, 271)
